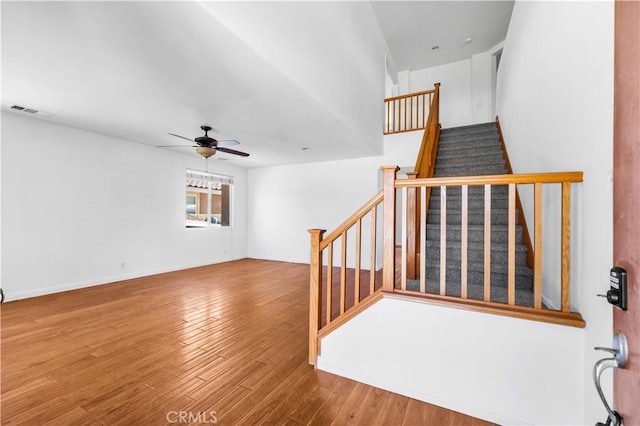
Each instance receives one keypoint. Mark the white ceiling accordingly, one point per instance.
(413, 28)
(140, 70)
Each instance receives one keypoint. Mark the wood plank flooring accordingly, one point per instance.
(223, 344)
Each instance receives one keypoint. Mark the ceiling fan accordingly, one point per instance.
(207, 146)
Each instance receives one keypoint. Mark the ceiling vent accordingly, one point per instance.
(31, 111)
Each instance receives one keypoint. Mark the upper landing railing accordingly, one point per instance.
(406, 113)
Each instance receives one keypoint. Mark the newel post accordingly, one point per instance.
(389, 226)
(315, 292)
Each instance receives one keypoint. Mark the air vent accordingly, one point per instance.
(31, 111)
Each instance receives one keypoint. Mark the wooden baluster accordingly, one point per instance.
(315, 291)
(405, 114)
(343, 273)
(443, 240)
(396, 115)
(566, 204)
(511, 246)
(487, 242)
(405, 240)
(411, 113)
(389, 235)
(387, 127)
(463, 241)
(329, 281)
(356, 289)
(537, 261)
(372, 264)
(423, 239)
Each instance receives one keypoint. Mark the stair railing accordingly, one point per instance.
(406, 113)
(539, 312)
(338, 293)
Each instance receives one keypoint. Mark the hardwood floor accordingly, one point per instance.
(224, 344)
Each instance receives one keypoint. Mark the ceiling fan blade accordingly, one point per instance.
(177, 146)
(232, 151)
(226, 143)
(181, 137)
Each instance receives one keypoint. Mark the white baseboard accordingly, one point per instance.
(18, 295)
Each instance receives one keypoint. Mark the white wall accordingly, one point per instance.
(285, 201)
(555, 102)
(77, 205)
(455, 91)
(466, 91)
(505, 370)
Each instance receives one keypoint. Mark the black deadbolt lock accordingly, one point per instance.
(617, 293)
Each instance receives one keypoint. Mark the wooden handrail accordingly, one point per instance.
(409, 95)
(426, 156)
(524, 178)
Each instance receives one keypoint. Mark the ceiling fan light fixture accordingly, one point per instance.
(205, 151)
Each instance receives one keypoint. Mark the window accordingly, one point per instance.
(208, 199)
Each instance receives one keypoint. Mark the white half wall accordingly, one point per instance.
(555, 102)
(504, 370)
(81, 209)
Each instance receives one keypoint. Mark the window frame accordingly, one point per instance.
(214, 183)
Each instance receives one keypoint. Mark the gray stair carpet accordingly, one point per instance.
(468, 151)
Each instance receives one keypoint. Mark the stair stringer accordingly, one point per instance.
(501, 369)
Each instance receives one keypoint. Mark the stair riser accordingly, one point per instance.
(488, 169)
(473, 204)
(497, 294)
(474, 160)
(499, 259)
(462, 148)
(498, 234)
(472, 219)
(470, 152)
(476, 136)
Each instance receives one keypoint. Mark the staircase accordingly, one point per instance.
(469, 151)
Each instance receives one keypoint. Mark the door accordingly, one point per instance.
(626, 200)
